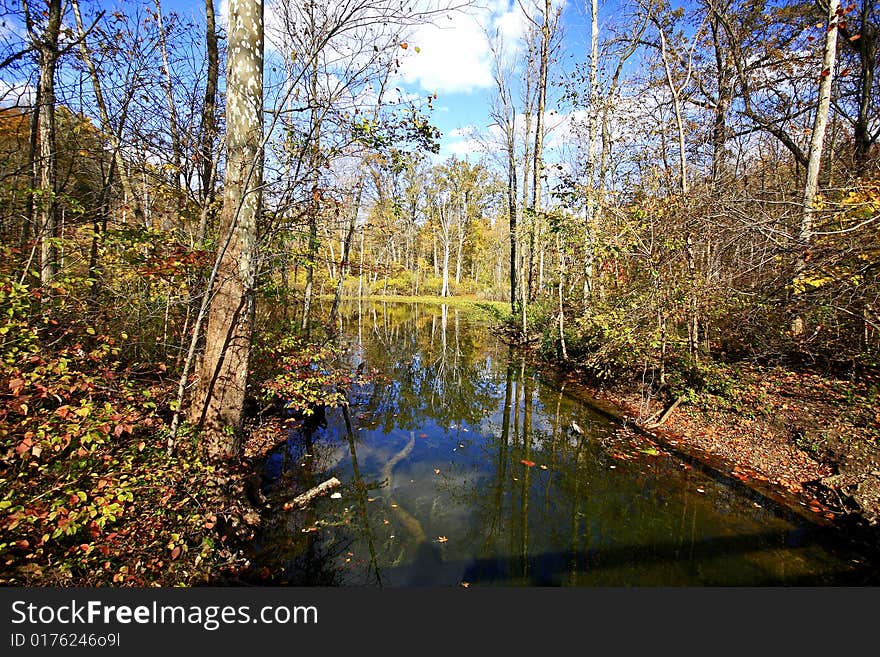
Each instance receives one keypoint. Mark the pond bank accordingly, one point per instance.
(806, 440)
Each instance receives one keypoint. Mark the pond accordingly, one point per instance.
(463, 465)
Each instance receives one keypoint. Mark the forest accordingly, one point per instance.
(684, 213)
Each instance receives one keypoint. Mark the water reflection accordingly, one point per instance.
(461, 465)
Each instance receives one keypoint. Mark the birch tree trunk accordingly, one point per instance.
(817, 140)
(219, 400)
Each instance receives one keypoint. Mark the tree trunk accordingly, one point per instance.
(593, 119)
(219, 401)
(444, 291)
(48, 223)
(30, 225)
(346, 249)
(314, 208)
(209, 124)
(866, 46)
(173, 128)
(817, 140)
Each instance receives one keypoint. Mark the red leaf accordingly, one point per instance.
(24, 445)
(527, 463)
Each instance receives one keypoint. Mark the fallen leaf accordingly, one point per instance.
(527, 463)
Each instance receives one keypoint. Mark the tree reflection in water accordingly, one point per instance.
(502, 489)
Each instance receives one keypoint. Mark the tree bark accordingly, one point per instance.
(209, 123)
(47, 45)
(219, 401)
(817, 140)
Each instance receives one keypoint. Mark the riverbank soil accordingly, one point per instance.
(810, 434)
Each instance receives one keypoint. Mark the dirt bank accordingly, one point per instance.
(806, 438)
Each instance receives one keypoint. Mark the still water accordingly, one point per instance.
(462, 465)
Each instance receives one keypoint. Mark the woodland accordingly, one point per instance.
(177, 195)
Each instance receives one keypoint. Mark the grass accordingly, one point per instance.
(495, 308)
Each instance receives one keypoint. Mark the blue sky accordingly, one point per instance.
(455, 63)
(451, 58)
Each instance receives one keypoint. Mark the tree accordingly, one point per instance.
(817, 139)
(219, 402)
(46, 43)
(503, 115)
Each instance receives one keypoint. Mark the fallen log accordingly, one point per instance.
(664, 415)
(312, 493)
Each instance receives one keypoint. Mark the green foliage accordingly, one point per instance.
(304, 375)
(89, 495)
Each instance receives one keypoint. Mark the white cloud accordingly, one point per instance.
(451, 55)
(16, 94)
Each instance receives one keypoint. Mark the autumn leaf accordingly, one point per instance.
(24, 445)
(527, 463)
(404, 45)
(15, 386)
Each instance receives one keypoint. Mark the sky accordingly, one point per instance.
(455, 62)
(451, 58)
